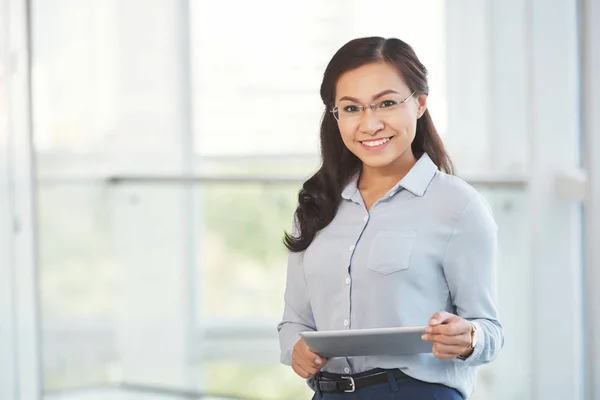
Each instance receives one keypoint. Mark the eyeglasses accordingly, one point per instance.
(381, 108)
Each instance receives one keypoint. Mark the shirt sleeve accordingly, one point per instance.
(470, 268)
(297, 314)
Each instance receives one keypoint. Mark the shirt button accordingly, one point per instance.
(345, 322)
(352, 247)
(366, 218)
(347, 281)
(347, 370)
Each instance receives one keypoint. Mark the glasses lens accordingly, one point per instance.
(350, 111)
(387, 106)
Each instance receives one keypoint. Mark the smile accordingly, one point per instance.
(375, 144)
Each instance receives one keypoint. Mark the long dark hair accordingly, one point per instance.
(320, 195)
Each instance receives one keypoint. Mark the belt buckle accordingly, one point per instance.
(352, 384)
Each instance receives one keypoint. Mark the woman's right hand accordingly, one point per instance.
(304, 362)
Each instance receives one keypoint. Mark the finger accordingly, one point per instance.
(444, 356)
(440, 318)
(307, 358)
(439, 354)
(308, 362)
(461, 340)
(449, 349)
(306, 366)
(445, 352)
(455, 327)
(315, 359)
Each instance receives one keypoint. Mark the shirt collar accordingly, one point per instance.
(416, 181)
(351, 188)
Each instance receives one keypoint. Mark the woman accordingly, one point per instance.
(386, 236)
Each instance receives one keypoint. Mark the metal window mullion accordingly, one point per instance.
(20, 183)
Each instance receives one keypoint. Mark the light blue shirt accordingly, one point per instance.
(429, 245)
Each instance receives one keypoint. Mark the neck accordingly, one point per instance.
(384, 178)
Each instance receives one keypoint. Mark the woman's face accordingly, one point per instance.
(383, 137)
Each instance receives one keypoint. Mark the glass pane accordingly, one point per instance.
(138, 393)
(255, 381)
(259, 88)
(106, 77)
(78, 285)
(283, 166)
(242, 261)
(510, 375)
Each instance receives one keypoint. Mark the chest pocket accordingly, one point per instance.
(391, 250)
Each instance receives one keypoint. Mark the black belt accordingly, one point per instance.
(331, 383)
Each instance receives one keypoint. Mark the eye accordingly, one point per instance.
(351, 109)
(387, 103)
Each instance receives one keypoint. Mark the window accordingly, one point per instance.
(143, 274)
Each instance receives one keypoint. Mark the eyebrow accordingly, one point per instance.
(378, 95)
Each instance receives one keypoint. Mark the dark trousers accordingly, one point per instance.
(401, 389)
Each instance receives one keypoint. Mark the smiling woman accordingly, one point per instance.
(363, 256)
(369, 69)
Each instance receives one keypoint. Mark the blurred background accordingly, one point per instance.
(151, 153)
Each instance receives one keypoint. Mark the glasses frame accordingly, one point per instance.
(363, 107)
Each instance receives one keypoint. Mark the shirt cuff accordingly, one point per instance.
(292, 335)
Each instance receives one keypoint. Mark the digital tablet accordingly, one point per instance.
(368, 342)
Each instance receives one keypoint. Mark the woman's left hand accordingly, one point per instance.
(450, 335)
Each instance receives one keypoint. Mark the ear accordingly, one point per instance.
(421, 104)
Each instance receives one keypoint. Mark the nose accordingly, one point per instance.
(370, 123)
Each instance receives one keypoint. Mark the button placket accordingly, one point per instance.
(348, 279)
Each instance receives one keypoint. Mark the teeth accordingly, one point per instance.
(373, 143)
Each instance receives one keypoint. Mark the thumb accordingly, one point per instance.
(312, 356)
(440, 318)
